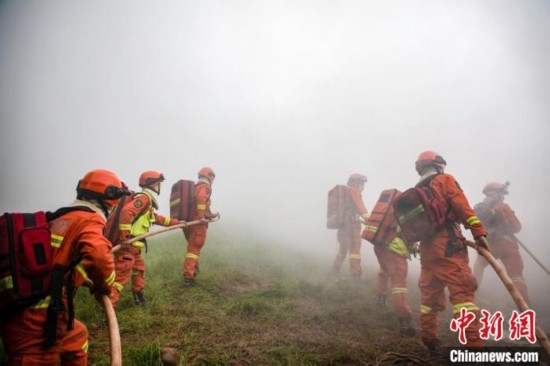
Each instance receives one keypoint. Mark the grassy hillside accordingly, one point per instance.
(256, 303)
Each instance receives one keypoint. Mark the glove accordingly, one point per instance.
(482, 242)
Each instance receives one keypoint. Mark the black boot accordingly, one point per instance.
(434, 348)
(405, 327)
(139, 299)
(188, 282)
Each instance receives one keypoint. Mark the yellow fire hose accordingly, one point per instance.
(163, 230)
(512, 289)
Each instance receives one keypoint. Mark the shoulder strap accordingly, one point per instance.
(65, 210)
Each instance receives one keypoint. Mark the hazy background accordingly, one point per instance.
(283, 99)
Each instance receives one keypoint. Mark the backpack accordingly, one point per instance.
(182, 197)
(112, 228)
(26, 257)
(381, 226)
(337, 198)
(419, 213)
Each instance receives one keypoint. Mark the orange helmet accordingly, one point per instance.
(207, 172)
(102, 185)
(357, 178)
(499, 188)
(151, 179)
(430, 158)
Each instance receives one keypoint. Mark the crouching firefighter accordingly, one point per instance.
(46, 333)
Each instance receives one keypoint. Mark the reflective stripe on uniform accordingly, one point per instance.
(425, 309)
(43, 303)
(372, 229)
(81, 269)
(125, 227)
(470, 306)
(355, 256)
(85, 346)
(111, 279)
(518, 279)
(56, 240)
(167, 221)
(6, 283)
(191, 255)
(399, 290)
(118, 286)
(201, 207)
(473, 220)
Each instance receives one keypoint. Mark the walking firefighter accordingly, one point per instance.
(135, 217)
(443, 251)
(45, 332)
(196, 234)
(501, 223)
(346, 212)
(392, 253)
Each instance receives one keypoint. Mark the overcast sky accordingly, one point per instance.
(283, 99)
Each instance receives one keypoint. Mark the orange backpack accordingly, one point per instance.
(381, 226)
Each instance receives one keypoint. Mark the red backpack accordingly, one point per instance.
(26, 257)
(419, 213)
(381, 226)
(182, 199)
(337, 198)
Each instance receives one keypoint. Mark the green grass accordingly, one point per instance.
(255, 303)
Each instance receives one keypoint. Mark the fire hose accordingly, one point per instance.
(531, 255)
(183, 224)
(112, 323)
(512, 289)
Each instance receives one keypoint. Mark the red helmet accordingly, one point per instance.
(151, 179)
(357, 178)
(207, 172)
(499, 188)
(429, 158)
(102, 185)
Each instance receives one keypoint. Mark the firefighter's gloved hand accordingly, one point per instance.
(482, 242)
(202, 220)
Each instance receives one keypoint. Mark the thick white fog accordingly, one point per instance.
(283, 99)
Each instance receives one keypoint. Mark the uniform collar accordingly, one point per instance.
(90, 205)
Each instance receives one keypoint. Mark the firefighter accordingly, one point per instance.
(444, 257)
(392, 259)
(196, 234)
(349, 234)
(501, 223)
(136, 218)
(47, 333)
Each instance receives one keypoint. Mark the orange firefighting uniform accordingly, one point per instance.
(136, 218)
(349, 235)
(196, 234)
(76, 236)
(444, 263)
(392, 259)
(502, 224)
